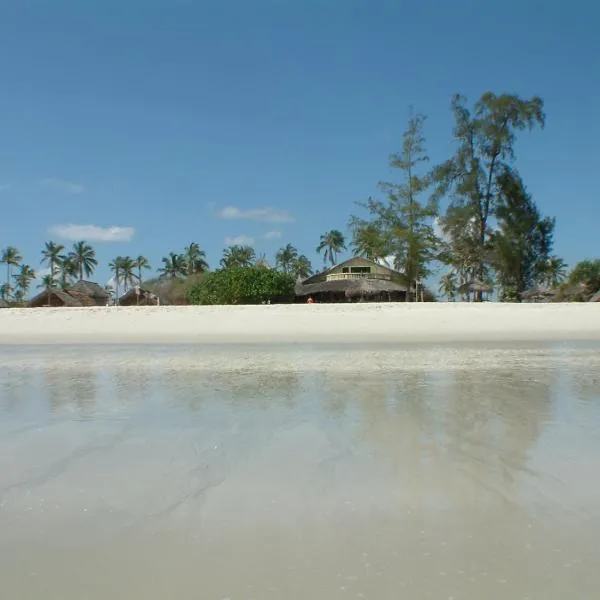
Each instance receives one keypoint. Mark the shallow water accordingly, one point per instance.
(459, 472)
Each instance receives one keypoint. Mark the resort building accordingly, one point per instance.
(355, 280)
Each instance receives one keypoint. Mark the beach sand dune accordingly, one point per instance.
(312, 324)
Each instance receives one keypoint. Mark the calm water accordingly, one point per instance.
(462, 473)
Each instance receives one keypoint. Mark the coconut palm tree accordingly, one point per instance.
(238, 256)
(332, 243)
(448, 285)
(47, 282)
(11, 257)
(174, 267)
(554, 272)
(115, 268)
(83, 257)
(301, 268)
(286, 257)
(51, 256)
(127, 272)
(195, 259)
(23, 279)
(367, 241)
(67, 271)
(141, 262)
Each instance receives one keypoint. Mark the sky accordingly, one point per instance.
(141, 126)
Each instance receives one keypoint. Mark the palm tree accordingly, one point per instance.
(126, 270)
(23, 280)
(238, 256)
(11, 257)
(286, 257)
(83, 257)
(115, 268)
(51, 256)
(301, 267)
(554, 272)
(5, 292)
(448, 285)
(332, 243)
(141, 262)
(47, 282)
(67, 271)
(174, 266)
(195, 259)
(367, 241)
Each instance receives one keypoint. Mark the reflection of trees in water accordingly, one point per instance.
(436, 429)
(255, 389)
(74, 390)
(501, 411)
(131, 386)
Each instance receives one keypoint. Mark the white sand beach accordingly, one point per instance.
(312, 324)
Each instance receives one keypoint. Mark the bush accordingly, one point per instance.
(243, 285)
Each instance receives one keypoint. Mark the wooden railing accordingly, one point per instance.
(338, 276)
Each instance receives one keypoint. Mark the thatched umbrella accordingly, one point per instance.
(538, 294)
(476, 286)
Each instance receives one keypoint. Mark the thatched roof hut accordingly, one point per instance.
(83, 293)
(538, 295)
(476, 286)
(595, 297)
(353, 289)
(138, 296)
(356, 279)
(92, 290)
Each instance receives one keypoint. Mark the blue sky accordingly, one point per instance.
(215, 120)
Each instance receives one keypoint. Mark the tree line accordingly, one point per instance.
(491, 234)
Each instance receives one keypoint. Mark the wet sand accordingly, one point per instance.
(190, 472)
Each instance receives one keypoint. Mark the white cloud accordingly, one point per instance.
(272, 235)
(266, 214)
(239, 240)
(72, 187)
(93, 233)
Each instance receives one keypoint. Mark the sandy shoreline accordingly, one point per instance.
(352, 323)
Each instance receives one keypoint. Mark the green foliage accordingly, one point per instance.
(331, 244)
(238, 256)
(523, 241)
(485, 152)
(243, 285)
(288, 260)
(586, 272)
(83, 259)
(402, 226)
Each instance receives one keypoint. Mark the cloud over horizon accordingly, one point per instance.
(92, 233)
(265, 214)
(72, 187)
(239, 240)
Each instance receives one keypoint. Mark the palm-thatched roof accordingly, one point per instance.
(137, 294)
(91, 289)
(538, 293)
(351, 287)
(595, 297)
(70, 298)
(476, 286)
